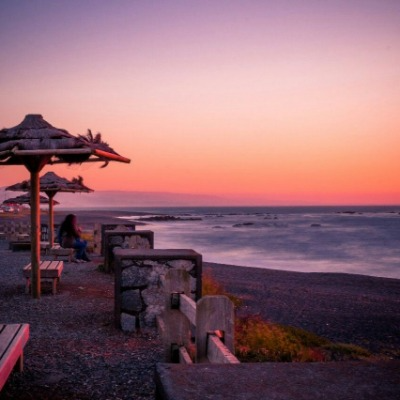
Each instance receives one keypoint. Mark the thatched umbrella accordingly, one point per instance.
(26, 199)
(50, 183)
(35, 143)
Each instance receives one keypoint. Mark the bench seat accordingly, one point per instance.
(13, 338)
(48, 270)
(19, 245)
(57, 251)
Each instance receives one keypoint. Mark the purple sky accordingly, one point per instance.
(295, 100)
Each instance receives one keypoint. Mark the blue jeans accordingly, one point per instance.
(80, 247)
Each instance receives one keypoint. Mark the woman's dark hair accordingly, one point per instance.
(69, 225)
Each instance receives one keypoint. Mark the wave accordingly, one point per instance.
(364, 240)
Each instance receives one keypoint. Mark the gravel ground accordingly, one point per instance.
(74, 351)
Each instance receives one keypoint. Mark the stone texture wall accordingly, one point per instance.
(139, 296)
(99, 230)
(12, 230)
(125, 239)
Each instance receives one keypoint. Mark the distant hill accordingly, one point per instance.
(116, 198)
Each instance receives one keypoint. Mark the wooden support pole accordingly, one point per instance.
(50, 195)
(35, 234)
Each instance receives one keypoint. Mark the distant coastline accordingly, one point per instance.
(116, 199)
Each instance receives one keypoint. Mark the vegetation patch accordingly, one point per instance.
(210, 287)
(259, 341)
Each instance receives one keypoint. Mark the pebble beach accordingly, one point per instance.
(75, 352)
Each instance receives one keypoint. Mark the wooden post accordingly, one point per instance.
(51, 195)
(97, 238)
(35, 235)
(177, 326)
(213, 313)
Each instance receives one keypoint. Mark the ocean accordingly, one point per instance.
(357, 240)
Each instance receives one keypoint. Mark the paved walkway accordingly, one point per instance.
(378, 380)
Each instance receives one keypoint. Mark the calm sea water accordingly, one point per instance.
(361, 240)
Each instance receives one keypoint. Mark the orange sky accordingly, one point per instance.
(261, 101)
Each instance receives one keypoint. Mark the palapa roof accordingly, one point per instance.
(26, 199)
(35, 137)
(51, 182)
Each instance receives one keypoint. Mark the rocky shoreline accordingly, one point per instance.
(74, 351)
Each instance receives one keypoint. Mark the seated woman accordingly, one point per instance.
(69, 236)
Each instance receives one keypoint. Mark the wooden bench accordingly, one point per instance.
(44, 247)
(48, 270)
(13, 338)
(23, 237)
(19, 245)
(57, 251)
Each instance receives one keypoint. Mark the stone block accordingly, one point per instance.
(134, 276)
(131, 301)
(128, 322)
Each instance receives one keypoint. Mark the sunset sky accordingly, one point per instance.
(264, 102)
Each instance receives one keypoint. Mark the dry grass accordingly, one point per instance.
(260, 341)
(210, 287)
